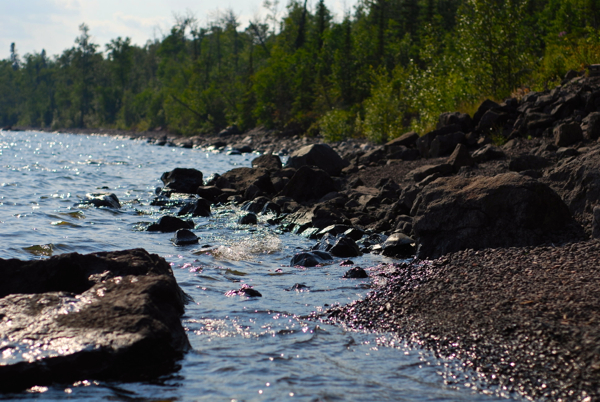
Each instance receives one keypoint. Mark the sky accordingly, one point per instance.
(53, 25)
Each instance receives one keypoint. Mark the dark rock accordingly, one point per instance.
(333, 230)
(591, 126)
(256, 205)
(344, 247)
(462, 120)
(408, 196)
(183, 180)
(248, 219)
(407, 140)
(483, 108)
(101, 200)
(231, 130)
(567, 134)
(298, 287)
(103, 316)
(310, 259)
(578, 182)
(399, 245)
(184, 237)
(242, 178)
(460, 157)
(487, 153)
(443, 145)
(373, 156)
(403, 153)
(354, 234)
(506, 210)
(565, 152)
(245, 290)
(356, 273)
(267, 161)
(346, 263)
(492, 119)
(422, 172)
(308, 183)
(170, 224)
(199, 207)
(596, 222)
(271, 208)
(527, 162)
(210, 193)
(321, 156)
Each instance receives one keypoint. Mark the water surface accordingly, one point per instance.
(244, 349)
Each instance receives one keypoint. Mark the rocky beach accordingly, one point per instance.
(500, 211)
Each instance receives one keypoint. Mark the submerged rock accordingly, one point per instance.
(310, 259)
(245, 290)
(184, 237)
(106, 316)
(170, 224)
(108, 200)
(356, 273)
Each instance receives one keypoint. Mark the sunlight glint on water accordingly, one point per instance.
(243, 349)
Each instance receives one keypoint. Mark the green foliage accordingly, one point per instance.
(390, 66)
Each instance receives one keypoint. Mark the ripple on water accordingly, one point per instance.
(250, 349)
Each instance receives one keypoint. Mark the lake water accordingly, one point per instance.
(244, 349)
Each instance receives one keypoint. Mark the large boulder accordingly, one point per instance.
(308, 183)
(319, 155)
(242, 178)
(182, 180)
(105, 316)
(267, 161)
(506, 210)
(578, 182)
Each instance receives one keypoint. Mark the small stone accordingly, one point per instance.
(248, 219)
(356, 273)
(184, 237)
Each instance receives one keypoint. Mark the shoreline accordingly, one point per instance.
(507, 281)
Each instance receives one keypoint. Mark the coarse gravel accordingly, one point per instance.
(526, 319)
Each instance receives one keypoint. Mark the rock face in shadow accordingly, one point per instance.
(183, 180)
(319, 155)
(506, 210)
(106, 316)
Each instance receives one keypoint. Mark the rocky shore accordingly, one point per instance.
(500, 211)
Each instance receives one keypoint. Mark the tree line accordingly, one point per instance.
(386, 67)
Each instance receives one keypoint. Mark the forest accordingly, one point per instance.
(384, 68)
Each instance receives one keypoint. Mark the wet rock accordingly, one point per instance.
(308, 183)
(567, 134)
(310, 259)
(399, 245)
(101, 200)
(170, 224)
(256, 205)
(298, 287)
(245, 290)
(338, 246)
(183, 180)
(333, 230)
(267, 161)
(506, 210)
(106, 316)
(354, 233)
(248, 219)
(356, 273)
(271, 208)
(209, 193)
(346, 263)
(184, 237)
(321, 156)
(199, 207)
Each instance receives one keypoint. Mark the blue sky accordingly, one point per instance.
(53, 24)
